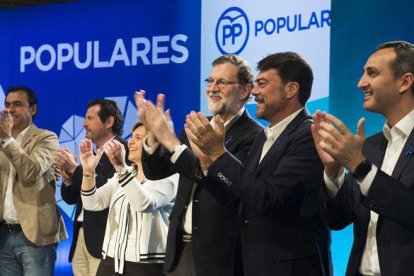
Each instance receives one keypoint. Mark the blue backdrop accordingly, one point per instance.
(73, 52)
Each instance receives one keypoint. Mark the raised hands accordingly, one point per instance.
(88, 160)
(156, 121)
(6, 124)
(66, 163)
(116, 154)
(209, 138)
(335, 143)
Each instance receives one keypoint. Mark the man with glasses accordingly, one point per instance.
(281, 230)
(202, 232)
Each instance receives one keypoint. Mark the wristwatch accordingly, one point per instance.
(362, 169)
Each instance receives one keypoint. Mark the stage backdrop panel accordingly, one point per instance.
(255, 29)
(71, 53)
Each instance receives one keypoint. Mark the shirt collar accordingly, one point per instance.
(401, 129)
(273, 132)
(230, 123)
(101, 148)
(20, 136)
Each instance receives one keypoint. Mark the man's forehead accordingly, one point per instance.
(17, 96)
(94, 109)
(381, 58)
(224, 69)
(267, 73)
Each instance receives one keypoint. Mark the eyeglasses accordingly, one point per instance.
(221, 84)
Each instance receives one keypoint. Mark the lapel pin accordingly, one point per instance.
(409, 150)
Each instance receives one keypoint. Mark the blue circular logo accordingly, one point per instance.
(232, 31)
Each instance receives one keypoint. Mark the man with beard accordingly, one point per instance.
(103, 122)
(282, 232)
(202, 232)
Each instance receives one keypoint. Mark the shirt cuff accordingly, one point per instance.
(150, 150)
(6, 141)
(333, 184)
(67, 182)
(365, 185)
(178, 150)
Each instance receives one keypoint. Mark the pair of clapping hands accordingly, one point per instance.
(65, 162)
(206, 139)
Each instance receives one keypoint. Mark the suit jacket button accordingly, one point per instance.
(246, 221)
(195, 228)
(196, 201)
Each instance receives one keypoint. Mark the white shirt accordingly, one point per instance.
(397, 137)
(272, 133)
(9, 211)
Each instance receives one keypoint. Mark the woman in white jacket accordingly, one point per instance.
(137, 225)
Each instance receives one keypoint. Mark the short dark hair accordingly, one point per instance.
(404, 61)
(244, 74)
(31, 95)
(290, 67)
(109, 108)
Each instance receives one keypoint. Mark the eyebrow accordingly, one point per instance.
(13, 102)
(370, 68)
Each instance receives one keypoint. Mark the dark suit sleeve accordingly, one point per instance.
(71, 193)
(188, 164)
(296, 174)
(337, 211)
(158, 164)
(392, 198)
(388, 197)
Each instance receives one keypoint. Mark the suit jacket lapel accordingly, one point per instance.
(28, 137)
(252, 161)
(282, 141)
(235, 130)
(375, 150)
(405, 156)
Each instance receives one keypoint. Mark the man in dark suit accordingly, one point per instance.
(103, 122)
(202, 230)
(281, 231)
(377, 194)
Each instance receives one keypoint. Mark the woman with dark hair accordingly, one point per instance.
(137, 225)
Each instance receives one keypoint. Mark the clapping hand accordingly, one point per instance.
(116, 154)
(88, 160)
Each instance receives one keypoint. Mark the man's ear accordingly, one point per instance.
(110, 122)
(245, 92)
(406, 82)
(291, 89)
(33, 109)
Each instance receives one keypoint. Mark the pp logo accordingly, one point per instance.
(232, 31)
